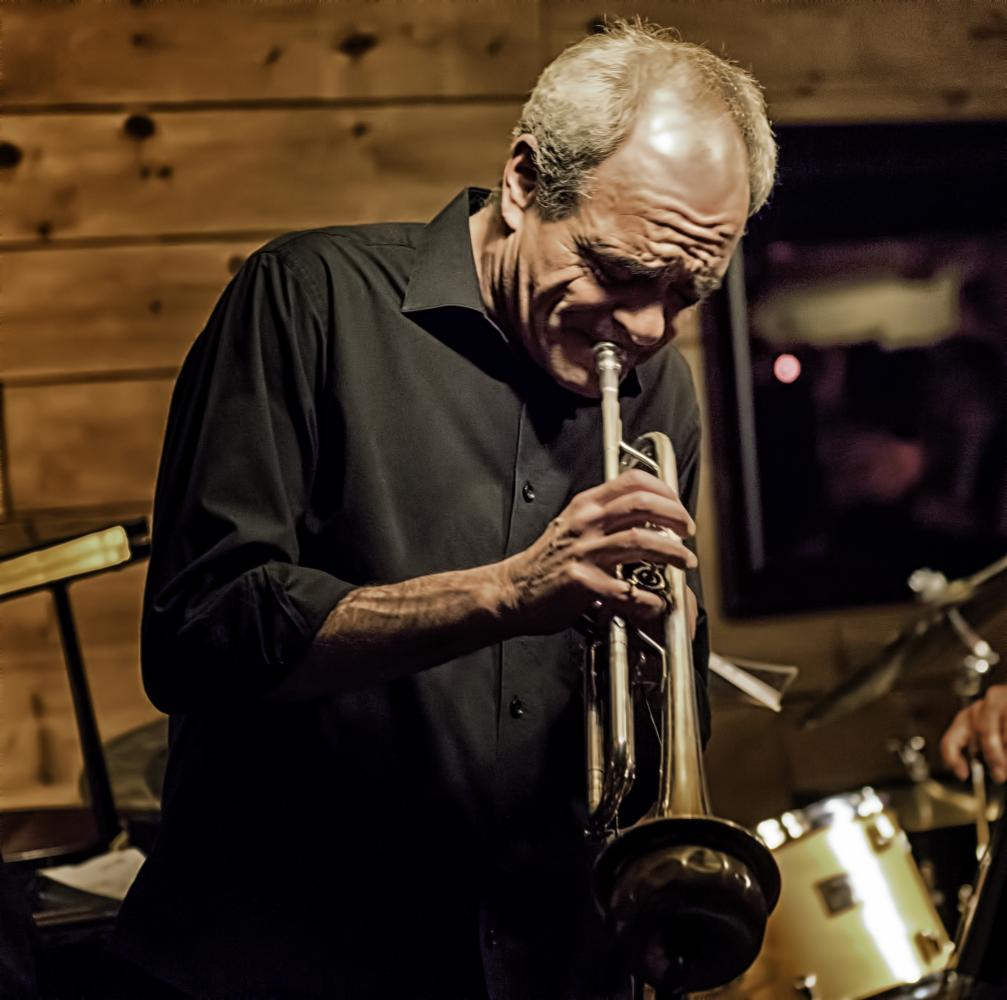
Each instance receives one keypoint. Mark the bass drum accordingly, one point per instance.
(855, 919)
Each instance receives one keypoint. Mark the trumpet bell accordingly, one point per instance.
(687, 899)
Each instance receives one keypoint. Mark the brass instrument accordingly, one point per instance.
(686, 894)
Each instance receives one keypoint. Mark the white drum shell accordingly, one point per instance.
(855, 917)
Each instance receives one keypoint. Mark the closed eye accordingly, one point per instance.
(615, 269)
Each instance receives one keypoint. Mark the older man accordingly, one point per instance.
(377, 517)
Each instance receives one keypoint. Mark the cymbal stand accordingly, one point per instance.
(975, 665)
(974, 668)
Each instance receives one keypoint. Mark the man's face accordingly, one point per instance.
(653, 235)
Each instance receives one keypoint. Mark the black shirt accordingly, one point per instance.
(349, 416)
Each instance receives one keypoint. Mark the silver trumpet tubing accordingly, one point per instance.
(685, 894)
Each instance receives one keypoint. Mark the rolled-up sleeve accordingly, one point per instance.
(228, 608)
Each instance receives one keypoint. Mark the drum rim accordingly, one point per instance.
(904, 991)
(796, 824)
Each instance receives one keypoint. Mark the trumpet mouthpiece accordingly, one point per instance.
(607, 356)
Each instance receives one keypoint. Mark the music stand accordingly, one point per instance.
(52, 564)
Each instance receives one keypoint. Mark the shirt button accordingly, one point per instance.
(491, 938)
(517, 708)
(528, 492)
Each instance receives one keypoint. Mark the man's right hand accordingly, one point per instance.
(383, 631)
(571, 565)
(979, 727)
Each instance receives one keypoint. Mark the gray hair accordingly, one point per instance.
(585, 104)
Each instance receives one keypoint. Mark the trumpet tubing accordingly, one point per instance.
(686, 894)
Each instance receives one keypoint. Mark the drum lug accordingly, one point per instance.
(806, 987)
(929, 945)
(881, 833)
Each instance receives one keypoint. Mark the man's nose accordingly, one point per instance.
(645, 324)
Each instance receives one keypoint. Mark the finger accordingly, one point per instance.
(637, 545)
(635, 604)
(953, 743)
(989, 725)
(642, 507)
(620, 597)
(629, 482)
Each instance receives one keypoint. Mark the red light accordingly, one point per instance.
(787, 368)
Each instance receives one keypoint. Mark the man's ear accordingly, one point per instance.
(520, 179)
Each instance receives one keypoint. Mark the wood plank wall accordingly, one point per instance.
(148, 147)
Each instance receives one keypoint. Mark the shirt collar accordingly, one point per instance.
(444, 271)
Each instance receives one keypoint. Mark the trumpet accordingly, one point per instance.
(685, 894)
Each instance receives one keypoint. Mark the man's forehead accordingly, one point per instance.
(695, 162)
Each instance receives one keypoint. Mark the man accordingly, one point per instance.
(379, 512)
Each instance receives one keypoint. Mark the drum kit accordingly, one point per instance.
(868, 906)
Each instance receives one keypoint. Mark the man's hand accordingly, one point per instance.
(980, 726)
(572, 564)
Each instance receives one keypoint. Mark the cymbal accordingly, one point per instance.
(136, 763)
(931, 805)
(929, 642)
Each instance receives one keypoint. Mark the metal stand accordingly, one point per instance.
(977, 662)
(95, 771)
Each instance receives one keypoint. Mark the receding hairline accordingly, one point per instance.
(624, 63)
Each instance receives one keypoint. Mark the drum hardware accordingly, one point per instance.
(855, 919)
(974, 666)
(910, 753)
(805, 987)
(936, 818)
(929, 945)
(944, 632)
(980, 959)
(950, 614)
(686, 894)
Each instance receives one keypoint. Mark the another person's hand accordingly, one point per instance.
(980, 727)
(572, 563)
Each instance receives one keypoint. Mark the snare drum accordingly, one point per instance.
(854, 918)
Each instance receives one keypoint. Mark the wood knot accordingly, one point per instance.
(273, 55)
(956, 97)
(494, 46)
(155, 306)
(165, 172)
(360, 129)
(139, 126)
(358, 44)
(10, 155)
(994, 28)
(44, 229)
(141, 40)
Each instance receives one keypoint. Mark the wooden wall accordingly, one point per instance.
(148, 147)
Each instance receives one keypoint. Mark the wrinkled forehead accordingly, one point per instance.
(661, 225)
(686, 159)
